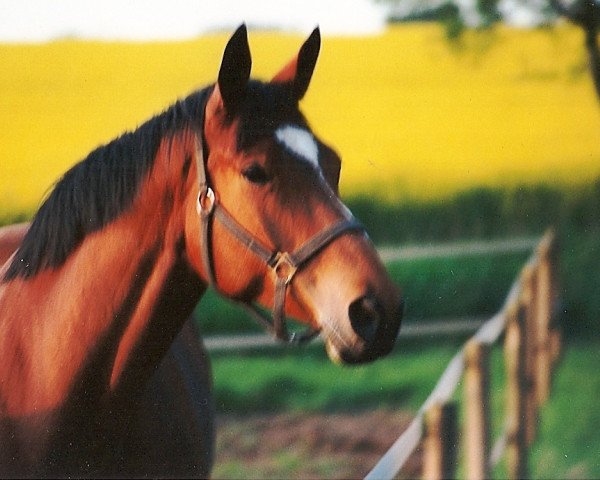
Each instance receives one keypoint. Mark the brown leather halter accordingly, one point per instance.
(284, 265)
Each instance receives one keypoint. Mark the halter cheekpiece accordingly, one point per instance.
(284, 265)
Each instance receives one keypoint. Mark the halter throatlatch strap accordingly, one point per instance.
(284, 265)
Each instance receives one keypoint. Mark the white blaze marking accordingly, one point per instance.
(300, 142)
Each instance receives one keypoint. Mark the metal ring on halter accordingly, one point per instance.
(284, 267)
(206, 201)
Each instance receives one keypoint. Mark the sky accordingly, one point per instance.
(143, 20)
(43, 20)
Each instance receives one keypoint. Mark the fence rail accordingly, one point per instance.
(531, 348)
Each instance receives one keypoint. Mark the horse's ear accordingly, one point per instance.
(235, 69)
(300, 69)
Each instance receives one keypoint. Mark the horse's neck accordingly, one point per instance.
(98, 325)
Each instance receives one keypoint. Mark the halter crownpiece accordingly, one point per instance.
(284, 265)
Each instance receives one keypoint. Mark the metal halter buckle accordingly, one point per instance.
(284, 267)
(206, 201)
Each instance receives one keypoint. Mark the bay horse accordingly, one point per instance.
(228, 187)
(174, 422)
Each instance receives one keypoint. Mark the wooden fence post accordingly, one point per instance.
(477, 417)
(527, 300)
(439, 460)
(543, 312)
(555, 336)
(514, 357)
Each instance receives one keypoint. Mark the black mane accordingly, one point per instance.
(98, 189)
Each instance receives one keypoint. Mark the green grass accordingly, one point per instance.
(568, 442)
(456, 286)
(217, 316)
(292, 379)
(580, 283)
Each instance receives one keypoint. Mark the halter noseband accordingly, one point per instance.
(284, 265)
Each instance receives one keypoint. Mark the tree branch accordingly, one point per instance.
(586, 14)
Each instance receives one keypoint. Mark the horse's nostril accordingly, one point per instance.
(365, 316)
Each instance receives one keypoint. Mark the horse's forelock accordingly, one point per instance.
(265, 108)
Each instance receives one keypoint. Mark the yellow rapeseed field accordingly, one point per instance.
(411, 115)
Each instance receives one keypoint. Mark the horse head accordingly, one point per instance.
(275, 229)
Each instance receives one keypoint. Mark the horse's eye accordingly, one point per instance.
(256, 174)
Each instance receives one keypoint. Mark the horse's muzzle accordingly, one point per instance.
(373, 329)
